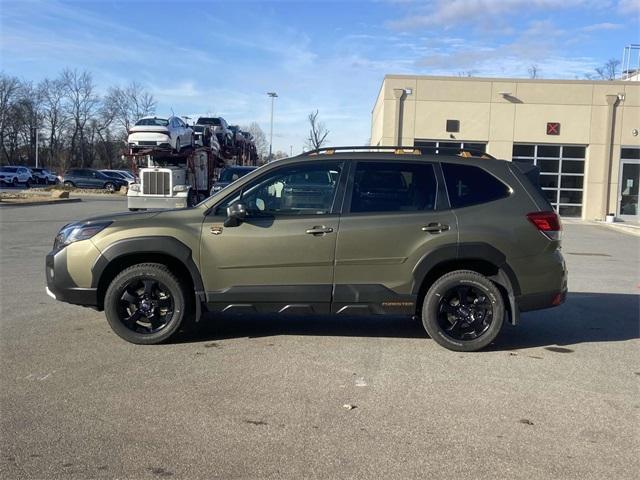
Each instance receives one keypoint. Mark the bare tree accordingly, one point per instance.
(608, 71)
(534, 71)
(9, 91)
(129, 104)
(82, 105)
(259, 138)
(54, 117)
(318, 132)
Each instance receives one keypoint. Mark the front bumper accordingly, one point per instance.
(61, 286)
(156, 202)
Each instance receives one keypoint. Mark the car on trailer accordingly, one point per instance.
(160, 133)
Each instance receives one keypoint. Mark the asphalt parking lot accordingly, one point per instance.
(262, 397)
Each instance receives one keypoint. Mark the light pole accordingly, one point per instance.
(35, 131)
(273, 96)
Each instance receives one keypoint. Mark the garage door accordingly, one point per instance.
(561, 173)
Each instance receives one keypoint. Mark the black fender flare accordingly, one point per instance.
(505, 276)
(160, 244)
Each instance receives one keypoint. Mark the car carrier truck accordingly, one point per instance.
(173, 180)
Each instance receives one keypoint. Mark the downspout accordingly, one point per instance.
(399, 95)
(612, 102)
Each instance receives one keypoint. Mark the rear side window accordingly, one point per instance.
(470, 185)
(393, 187)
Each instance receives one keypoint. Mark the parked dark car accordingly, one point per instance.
(43, 176)
(228, 175)
(90, 178)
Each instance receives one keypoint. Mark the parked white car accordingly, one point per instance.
(160, 133)
(15, 175)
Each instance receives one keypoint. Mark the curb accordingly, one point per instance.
(621, 227)
(47, 202)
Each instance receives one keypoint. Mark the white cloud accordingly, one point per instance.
(601, 26)
(448, 13)
(629, 6)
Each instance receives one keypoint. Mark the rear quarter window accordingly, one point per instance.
(470, 185)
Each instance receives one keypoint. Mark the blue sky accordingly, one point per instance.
(223, 56)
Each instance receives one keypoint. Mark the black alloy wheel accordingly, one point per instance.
(465, 312)
(146, 306)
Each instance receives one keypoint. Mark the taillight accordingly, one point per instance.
(548, 223)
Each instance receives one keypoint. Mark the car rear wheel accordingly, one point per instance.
(463, 311)
(14, 182)
(109, 187)
(68, 184)
(145, 304)
(178, 145)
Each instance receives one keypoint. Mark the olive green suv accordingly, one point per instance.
(462, 242)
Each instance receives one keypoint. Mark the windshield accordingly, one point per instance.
(232, 174)
(208, 121)
(156, 122)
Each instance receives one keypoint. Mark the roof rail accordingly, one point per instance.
(402, 150)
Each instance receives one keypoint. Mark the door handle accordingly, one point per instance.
(319, 230)
(435, 228)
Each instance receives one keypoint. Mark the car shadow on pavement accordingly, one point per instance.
(583, 318)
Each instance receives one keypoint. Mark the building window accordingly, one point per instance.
(561, 173)
(445, 147)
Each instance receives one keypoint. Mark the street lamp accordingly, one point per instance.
(35, 132)
(273, 96)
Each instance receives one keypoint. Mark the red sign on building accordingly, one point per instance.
(553, 128)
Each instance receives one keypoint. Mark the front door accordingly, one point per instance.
(394, 216)
(628, 188)
(280, 258)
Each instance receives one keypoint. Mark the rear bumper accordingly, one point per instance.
(61, 286)
(546, 299)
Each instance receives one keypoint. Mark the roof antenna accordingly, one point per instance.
(172, 113)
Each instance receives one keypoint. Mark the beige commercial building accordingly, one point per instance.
(583, 135)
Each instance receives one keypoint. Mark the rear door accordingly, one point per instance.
(396, 213)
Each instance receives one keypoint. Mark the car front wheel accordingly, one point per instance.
(145, 304)
(463, 311)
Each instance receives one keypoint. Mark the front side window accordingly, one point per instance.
(393, 187)
(470, 185)
(308, 189)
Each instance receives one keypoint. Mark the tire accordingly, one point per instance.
(134, 209)
(27, 184)
(109, 187)
(127, 286)
(178, 145)
(463, 311)
(68, 184)
(14, 182)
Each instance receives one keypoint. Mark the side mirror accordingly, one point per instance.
(236, 213)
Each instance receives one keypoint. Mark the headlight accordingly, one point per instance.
(75, 232)
(134, 187)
